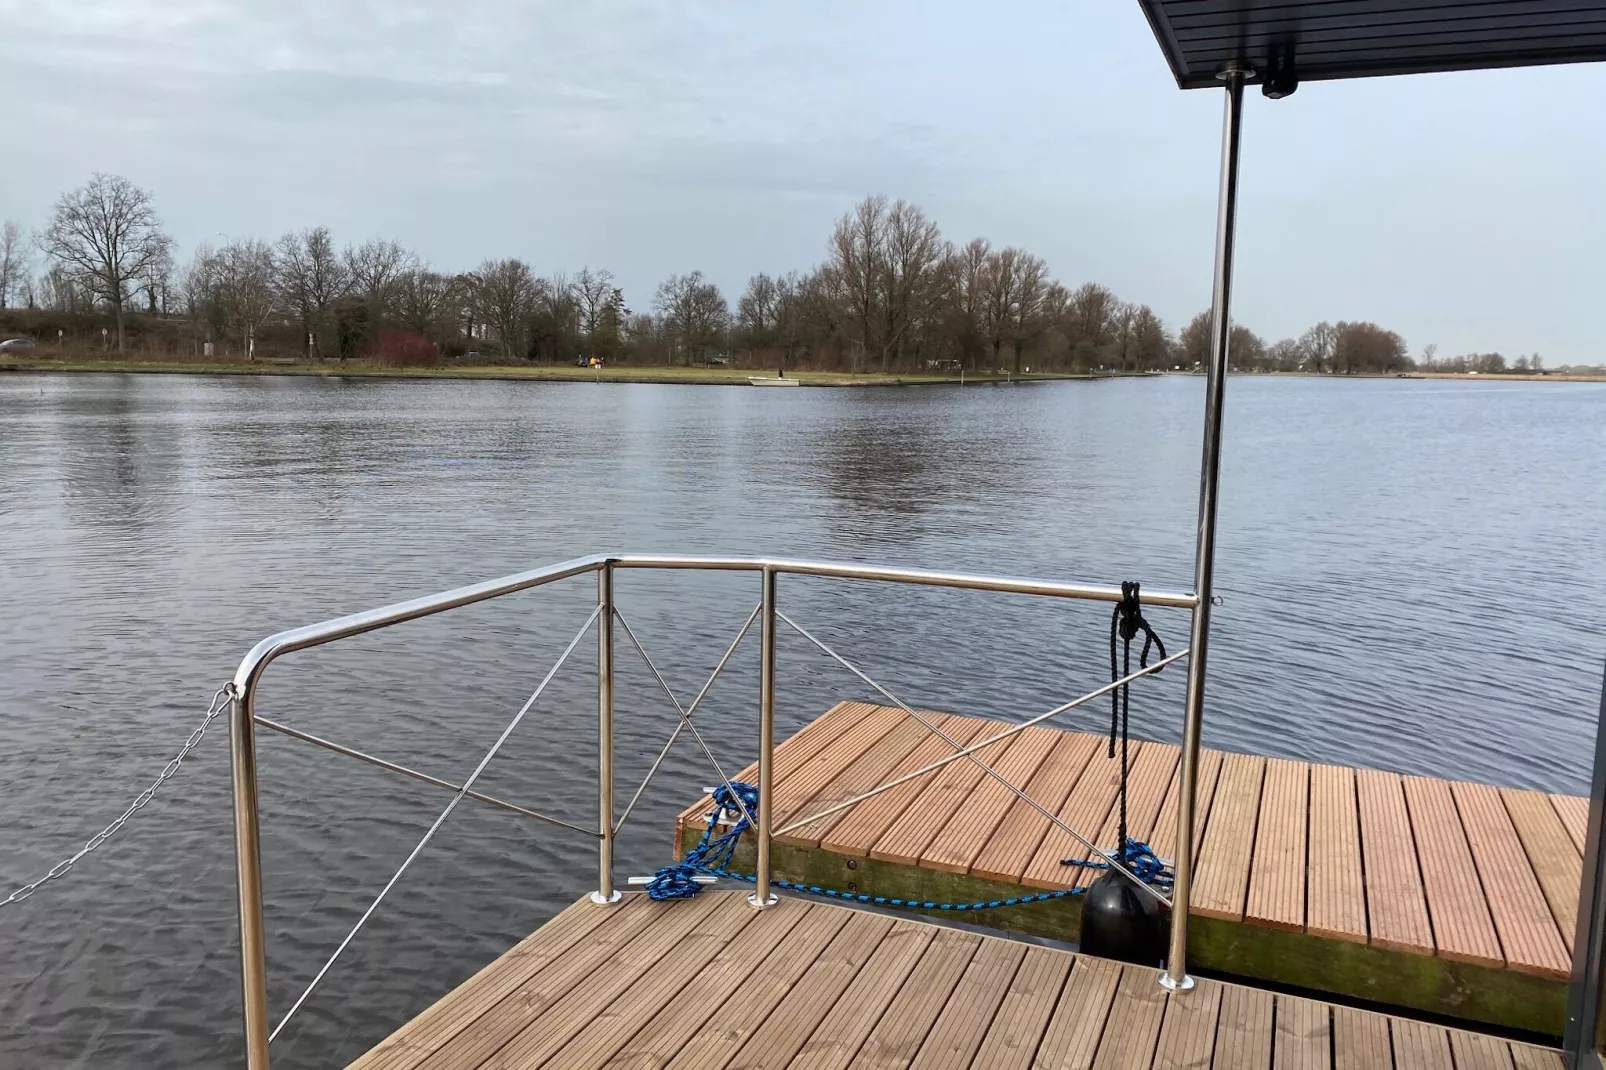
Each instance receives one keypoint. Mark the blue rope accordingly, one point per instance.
(713, 855)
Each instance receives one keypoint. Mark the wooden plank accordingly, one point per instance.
(793, 792)
(1164, 838)
(639, 918)
(454, 1011)
(962, 1025)
(1528, 1057)
(1304, 1036)
(1148, 781)
(1574, 813)
(1556, 862)
(1018, 836)
(1462, 928)
(1243, 1029)
(1135, 1018)
(1476, 1051)
(1396, 904)
(838, 1038)
(897, 1037)
(1085, 810)
(1017, 1030)
(967, 832)
(865, 823)
(906, 840)
(548, 1033)
(1419, 1046)
(1277, 871)
(1221, 879)
(797, 749)
(788, 1027)
(874, 768)
(748, 1006)
(1188, 1037)
(1528, 935)
(1077, 1026)
(1336, 899)
(683, 989)
(1360, 1040)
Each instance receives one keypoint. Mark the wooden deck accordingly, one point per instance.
(712, 984)
(1473, 888)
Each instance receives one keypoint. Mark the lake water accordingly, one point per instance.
(1413, 575)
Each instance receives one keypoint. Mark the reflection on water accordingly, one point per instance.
(1412, 574)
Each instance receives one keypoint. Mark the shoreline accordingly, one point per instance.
(663, 376)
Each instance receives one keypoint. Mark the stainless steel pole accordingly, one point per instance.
(248, 867)
(1176, 974)
(761, 896)
(605, 892)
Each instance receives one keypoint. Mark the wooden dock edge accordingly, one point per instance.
(1473, 993)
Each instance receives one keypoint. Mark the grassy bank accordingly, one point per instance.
(709, 376)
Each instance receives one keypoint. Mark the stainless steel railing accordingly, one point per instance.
(243, 721)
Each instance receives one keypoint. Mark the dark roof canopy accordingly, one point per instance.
(1362, 38)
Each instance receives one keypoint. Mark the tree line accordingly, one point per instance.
(892, 294)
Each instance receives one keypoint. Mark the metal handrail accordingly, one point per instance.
(243, 720)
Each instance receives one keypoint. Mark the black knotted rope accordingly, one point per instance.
(1125, 624)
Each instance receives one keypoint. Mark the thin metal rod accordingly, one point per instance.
(439, 821)
(605, 613)
(761, 896)
(686, 716)
(248, 869)
(1204, 567)
(845, 804)
(917, 576)
(361, 756)
(970, 757)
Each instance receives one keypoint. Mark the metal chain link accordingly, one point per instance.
(220, 702)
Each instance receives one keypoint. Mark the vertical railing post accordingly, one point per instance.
(605, 892)
(1176, 973)
(761, 896)
(248, 869)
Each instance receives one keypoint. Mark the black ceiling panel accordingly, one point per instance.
(1364, 38)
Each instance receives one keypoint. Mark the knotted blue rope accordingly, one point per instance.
(712, 854)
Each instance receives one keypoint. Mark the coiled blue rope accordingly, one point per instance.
(713, 855)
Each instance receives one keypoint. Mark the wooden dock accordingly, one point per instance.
(711, 984)
(1448, 897)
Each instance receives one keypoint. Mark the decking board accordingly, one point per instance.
(1336, 896)
(1555, 860)
(1014, 843)
(1396, 904)
(709, 984)
(1522, 919)
(1462, 927)
(1278, 868)
(1221, 878)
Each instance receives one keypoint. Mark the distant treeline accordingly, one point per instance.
(891, 295)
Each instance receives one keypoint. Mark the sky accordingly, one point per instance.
(1462, 210)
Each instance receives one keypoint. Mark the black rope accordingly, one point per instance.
(1125, 624)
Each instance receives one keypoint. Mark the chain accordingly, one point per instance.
(220, 702)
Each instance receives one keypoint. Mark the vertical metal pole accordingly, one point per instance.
(761, 896)
(605, 892)
(1176, 975)
(248, 867)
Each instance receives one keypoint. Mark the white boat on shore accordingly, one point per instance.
(770, 380)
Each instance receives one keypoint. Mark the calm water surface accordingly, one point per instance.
(1414, 576)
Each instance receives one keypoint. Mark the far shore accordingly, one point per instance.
(713, 375)
(700, 375)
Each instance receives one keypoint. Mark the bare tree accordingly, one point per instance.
(504, 294)
(593, 293)
(13, 263)
(106, 234)
(1317, 346)
(235, 287)
(694, 312)
(858, 249)
(1026, 320)
(375, 267)
(423, 300)
(1152, 345)
(311, 278)
(1089, 317)
(758, 314)
(912, 250)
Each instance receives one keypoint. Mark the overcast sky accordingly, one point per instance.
(1465, 210)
